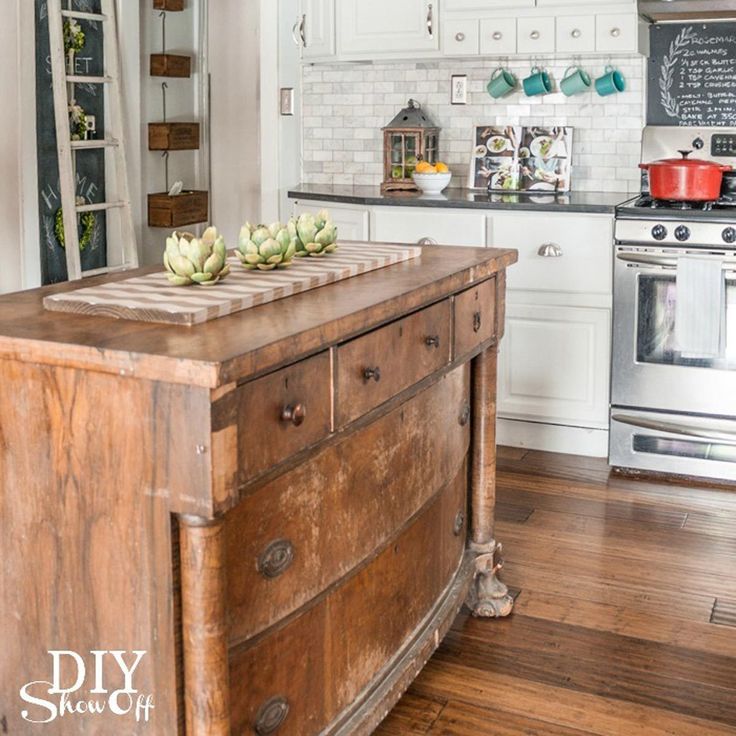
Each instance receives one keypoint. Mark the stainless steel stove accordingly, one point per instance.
(672, 411)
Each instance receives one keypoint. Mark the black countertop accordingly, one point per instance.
(589, 202)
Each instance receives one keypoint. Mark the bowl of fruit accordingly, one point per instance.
(432, 178)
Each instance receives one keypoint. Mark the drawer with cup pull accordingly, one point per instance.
(617, 32)
(278, 415)
(373, 368)
(460, 38)
(536, 35)
(576, 34)
(475, 317)
(498, 36)
(424, 227)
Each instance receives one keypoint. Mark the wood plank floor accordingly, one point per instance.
(626, 620)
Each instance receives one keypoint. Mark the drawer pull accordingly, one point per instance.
(497, 35)
(459, 523)
(460, 37)
(426, 241)
(465, 415)
(271, 716)
(295, 414)
(534, 35)
(615, 32)
(576, 33)
(550, 250)
(432, 341)
(476, 322)
(374, 373)
(276, 559)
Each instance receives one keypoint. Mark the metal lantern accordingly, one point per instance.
(410, 137)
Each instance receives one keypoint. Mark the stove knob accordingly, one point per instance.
(659, 232)
(729, 235)
(698, 143)
(682, 233)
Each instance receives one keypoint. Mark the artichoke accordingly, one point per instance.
(191, 260)
(317, 234)
(265, 248)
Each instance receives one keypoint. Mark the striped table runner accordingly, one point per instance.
(152, 298)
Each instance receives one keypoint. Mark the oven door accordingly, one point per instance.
(648, 371)
(676, 444)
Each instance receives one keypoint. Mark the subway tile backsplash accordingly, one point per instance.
(346, 105)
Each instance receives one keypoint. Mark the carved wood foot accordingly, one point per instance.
(489, 597)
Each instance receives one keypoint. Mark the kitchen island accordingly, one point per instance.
(270, 519)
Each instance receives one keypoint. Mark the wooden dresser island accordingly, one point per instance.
(278, 513)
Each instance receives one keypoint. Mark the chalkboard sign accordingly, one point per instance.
(692, 75)
(90, 175)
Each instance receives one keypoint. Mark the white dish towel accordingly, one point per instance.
(700, 313)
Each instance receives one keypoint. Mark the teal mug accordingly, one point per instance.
(539, 83)
(502, 82)
(576, 80)
(610, 83)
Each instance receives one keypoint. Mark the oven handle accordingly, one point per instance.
(713, 435)
(660, 261)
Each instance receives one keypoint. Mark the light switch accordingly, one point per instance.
(287, 100)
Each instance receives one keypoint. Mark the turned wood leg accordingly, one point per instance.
(206, 685)
(489, 596)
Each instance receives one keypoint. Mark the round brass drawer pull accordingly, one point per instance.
(459, 523)
(374, 373)
(296, 414)
(276, 559)
(476, 321)
(464, 415)
(432, 341)
(271, 716)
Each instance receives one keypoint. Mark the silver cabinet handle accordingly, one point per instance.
(460, 37)
(644, 259)
(534, 35)
(430, 21)
(576, 33)
(297, 32)
(714, 434)
(550, 250)
(497, 35)
(426, 241)
(615, 32)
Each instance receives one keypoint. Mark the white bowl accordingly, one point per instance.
(432, 183)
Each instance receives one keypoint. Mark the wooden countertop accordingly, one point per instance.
(245, 344)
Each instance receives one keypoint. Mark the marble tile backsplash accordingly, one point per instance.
(346, 105)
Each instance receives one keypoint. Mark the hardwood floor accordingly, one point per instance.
(626, 620)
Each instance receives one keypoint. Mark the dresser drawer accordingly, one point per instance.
(373, 368)
(278, 415)
(292, 671)
(475, 317)
(356, 489)
(460, 38)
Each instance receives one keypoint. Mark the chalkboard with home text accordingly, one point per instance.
(692, 75)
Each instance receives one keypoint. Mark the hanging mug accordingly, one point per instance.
(610, 83)
(538, 83)
(502, 83)
(576, 80)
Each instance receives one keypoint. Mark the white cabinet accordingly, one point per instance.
(536, 35)
(352, 222)
(481, 5)
(554, 365)
(587, 3)
(576, 34)
(460, 37)
(367, 27)
(315, 28)
(618, 32)
(409, 225)
(498, 36)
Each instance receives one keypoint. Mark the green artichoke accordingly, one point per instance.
(265, 248)
(317, 234)
(191, 260)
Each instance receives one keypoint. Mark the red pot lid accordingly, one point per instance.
(690, 163)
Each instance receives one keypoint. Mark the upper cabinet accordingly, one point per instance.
(314, 29)
(481, 5)
(387, 27)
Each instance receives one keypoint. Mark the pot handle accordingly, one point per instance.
(644, 166)
(726, 167)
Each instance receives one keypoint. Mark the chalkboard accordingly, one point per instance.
(90, 178)
(692, 75)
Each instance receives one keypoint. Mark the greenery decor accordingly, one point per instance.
(73, 36)
(87, 222)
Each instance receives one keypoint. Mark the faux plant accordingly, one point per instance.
(87, 223)
(77, 121)
(191, 260)
(317, 234)
(266, 248)
(74, 37)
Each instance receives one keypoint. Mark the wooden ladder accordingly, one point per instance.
(123, 254)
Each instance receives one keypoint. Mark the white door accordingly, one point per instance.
(352, 223)
(386, 26)
(315, 28)
(408, 225)
(553, 365)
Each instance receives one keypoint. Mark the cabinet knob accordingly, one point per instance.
(426, 241)
(615, 32)
(460, 37)
(458, 524)
(276, 558)
(476, 322)
(295, 414)
(374, 373)
(550, 250)
(576, 33)
(497, 35)
(534, 35)
(464, 415)
(432, 341)
(271, 716)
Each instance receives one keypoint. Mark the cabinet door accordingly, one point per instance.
(617, 32)
(315, 28)
(498, 36)
(576, 34)
(352, 223)
(400, 225)
(460, 37)
(385, 26)
(592, 3)
(554, 365)
(461, 5)
(536, 35)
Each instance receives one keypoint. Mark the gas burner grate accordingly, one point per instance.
(664, 204)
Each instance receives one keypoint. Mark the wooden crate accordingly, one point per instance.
(173, 136)
(168, 5)
(187, 208)
(171, 65)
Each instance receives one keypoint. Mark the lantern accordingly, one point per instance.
(409, 138)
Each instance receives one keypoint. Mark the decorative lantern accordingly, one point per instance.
(409, 138)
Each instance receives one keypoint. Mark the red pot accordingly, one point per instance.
(685, 179)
